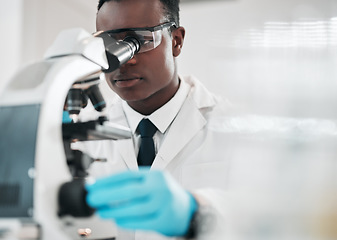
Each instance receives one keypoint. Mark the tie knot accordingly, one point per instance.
(146, 128)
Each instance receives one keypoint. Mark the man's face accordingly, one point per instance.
(149, 79)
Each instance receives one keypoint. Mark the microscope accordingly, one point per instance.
(42, 193)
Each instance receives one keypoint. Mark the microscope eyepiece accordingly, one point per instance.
(134, 43)
(119, 52)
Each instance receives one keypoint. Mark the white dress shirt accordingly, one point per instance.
(161, 118)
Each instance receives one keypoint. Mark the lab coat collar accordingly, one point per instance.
(180, 134)
(162, 117)
(125, 147)
(181, 131)
(187, 124)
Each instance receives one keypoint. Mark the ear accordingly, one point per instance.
(178, 36)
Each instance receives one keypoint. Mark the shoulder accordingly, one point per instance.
(214, 108)
(201, 96)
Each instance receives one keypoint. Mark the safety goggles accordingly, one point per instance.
(148, 37)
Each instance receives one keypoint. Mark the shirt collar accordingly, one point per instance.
(163, 117)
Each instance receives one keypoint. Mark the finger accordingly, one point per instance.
(153, 222)
(117, 195)
(116, 180)
(137, 208)
(148, 222)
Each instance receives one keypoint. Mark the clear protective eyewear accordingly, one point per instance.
(148, 37)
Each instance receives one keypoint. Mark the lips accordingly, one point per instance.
(127, 82)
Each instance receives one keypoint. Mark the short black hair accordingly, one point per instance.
(171, 8)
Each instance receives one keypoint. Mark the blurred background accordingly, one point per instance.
(276, 60)
(270, 56)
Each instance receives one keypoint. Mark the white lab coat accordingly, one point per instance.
(194, 153)
(249, 168)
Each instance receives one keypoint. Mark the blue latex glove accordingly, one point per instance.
(144, 200)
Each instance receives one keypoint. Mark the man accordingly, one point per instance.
(185, 181)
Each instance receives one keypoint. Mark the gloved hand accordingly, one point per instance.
(143, 200)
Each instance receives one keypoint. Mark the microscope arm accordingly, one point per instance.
(75, 56)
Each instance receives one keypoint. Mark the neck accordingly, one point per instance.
(154, 102)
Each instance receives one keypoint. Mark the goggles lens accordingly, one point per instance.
(149, 38)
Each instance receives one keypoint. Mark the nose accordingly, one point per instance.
(132, 61)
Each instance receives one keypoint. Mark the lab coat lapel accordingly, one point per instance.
(180, 133)
(125, 148)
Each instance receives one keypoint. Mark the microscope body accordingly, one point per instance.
(32, 156)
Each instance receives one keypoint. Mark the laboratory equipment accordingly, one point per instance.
(37, 164)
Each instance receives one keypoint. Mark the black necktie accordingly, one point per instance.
(146, 152)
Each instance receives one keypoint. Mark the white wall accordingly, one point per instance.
(44, 19)
(29, 27)
(274, 57)
(10, 43)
